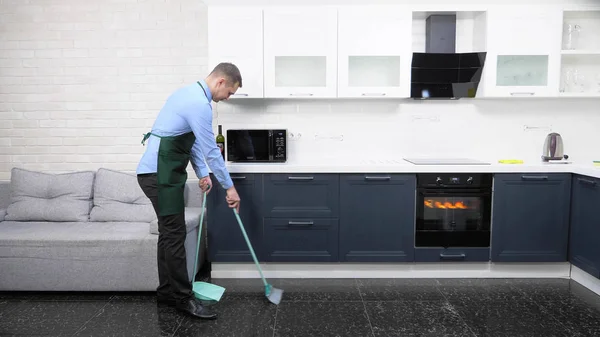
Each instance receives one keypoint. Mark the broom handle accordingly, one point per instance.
(237, 216)
(199, 235)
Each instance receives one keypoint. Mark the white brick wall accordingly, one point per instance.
(81, 81)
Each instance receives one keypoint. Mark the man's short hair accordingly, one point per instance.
(230, 71)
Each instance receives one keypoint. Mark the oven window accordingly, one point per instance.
(250, 145)
(452, 213)
(453, 221)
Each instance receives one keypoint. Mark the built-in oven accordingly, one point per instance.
(453, 216)
(256, 145)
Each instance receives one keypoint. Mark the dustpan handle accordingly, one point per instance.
(199, 235)
(237, 216)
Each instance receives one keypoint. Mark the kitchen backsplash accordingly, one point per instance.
(484, 129)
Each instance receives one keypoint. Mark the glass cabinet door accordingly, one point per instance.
(524, 51)
(522, 70)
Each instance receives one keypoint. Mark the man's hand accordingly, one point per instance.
(205, 184)
(233, 199)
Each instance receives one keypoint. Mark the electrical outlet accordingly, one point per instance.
(333, 137)
(294, 136)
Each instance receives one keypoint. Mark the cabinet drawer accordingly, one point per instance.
(301, 240)
(301, 195)
(452, 254)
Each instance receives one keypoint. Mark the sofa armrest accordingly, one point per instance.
(2, 214)
(192, 219)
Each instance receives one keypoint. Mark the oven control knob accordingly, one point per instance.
(470, 180)
(438, 180)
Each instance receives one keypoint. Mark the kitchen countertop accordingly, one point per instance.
(401, 166)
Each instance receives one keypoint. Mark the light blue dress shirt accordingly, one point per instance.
(188, 109)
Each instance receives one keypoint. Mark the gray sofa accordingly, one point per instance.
(84, 231)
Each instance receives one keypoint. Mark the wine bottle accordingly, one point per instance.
(221, 141)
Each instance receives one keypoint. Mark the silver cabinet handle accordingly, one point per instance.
(301, 94)
(522, 93)
(534, 177)
(238, 178)
(452, 256)
(587, 181)
(236, 94)
(301, 223)
(373, 94)
(377, 178)
(301, 178)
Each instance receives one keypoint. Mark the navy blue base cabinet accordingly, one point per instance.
(225, 240)
(377, 220)
(530, 221)
(323, 217)
(584, 250)
(301, 217)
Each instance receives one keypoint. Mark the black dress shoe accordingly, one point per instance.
(195, 308)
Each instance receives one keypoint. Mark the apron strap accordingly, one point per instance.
(147, 135)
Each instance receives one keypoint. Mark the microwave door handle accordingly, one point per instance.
(270, 142)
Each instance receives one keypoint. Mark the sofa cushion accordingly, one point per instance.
(37, 196)
(67, 240)
(119, 197)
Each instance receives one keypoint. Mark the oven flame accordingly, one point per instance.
(445, 205)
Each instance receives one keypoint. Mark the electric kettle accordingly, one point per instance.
(553, 148)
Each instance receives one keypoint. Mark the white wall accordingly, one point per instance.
(81, 81)
(483, 129)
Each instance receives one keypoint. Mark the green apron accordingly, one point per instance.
(174, 155)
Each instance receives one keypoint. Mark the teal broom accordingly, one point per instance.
(203, 290)
(273, 294)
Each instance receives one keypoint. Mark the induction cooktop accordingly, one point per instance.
(445, 161)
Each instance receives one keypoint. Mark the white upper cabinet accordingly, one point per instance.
(524, 45)
(235, 34)
(374, 51)
(580, 66)
(300, 49)
(347, 51)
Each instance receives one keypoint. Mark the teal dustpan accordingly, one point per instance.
(205, 291)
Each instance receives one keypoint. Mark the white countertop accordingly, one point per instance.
(401, 166)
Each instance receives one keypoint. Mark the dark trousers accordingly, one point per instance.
(172, 269)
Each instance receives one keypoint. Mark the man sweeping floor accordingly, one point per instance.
(182, 133)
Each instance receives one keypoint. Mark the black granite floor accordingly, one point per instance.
(334, 307)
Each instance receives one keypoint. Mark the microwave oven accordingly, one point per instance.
(258, 145)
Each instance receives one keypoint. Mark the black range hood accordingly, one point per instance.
(440, 72)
